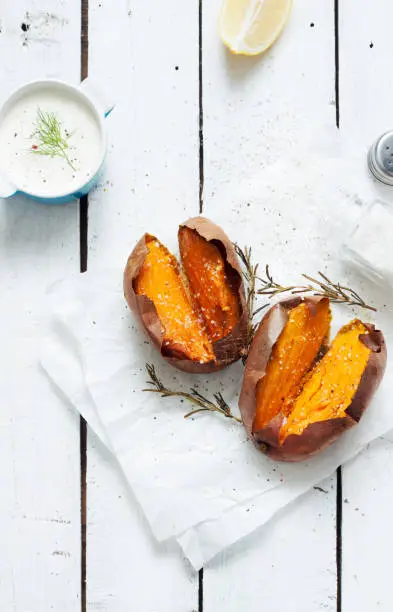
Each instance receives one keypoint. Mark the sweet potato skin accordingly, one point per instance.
(317, 436)
(228, 349)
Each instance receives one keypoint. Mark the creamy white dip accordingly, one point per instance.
(41, 174)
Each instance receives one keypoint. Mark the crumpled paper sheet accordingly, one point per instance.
(200, 480)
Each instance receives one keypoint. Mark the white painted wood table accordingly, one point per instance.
(190, 120)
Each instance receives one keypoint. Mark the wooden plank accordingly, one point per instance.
(365, 81)
(145, 56)
(39, 438)
(257, 111)
(366, 88)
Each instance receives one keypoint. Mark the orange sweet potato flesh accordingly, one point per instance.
(210, 285)
(332, 384)
(292, 357)
(184, 331)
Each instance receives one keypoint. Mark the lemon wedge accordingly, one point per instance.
(249, 27)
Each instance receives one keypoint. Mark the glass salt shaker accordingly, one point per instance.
(369, 247)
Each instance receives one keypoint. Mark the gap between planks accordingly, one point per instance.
(200, 101)
(337, 59)
(339, 495)
(201, 186)
(83, 249)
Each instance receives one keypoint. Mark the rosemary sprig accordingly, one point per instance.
(194, 397)
(336, 292)
(51, 138)
(322, 287)
(250, 275)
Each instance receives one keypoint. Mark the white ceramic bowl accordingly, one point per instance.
(86, 95)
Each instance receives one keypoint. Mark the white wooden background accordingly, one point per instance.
(178, 94)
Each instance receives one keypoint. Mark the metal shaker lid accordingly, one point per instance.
(380, 158)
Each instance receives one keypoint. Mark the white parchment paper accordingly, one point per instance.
(200, 480)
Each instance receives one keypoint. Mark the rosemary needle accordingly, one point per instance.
(51, 138)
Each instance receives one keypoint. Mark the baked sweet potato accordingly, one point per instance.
(194, 313)
(298, 394)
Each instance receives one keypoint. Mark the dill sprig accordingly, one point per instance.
(202, 403)
(250, 275)
(321, 287)
(51, 138)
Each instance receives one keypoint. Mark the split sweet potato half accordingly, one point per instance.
(194, 313)
(299, 394)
